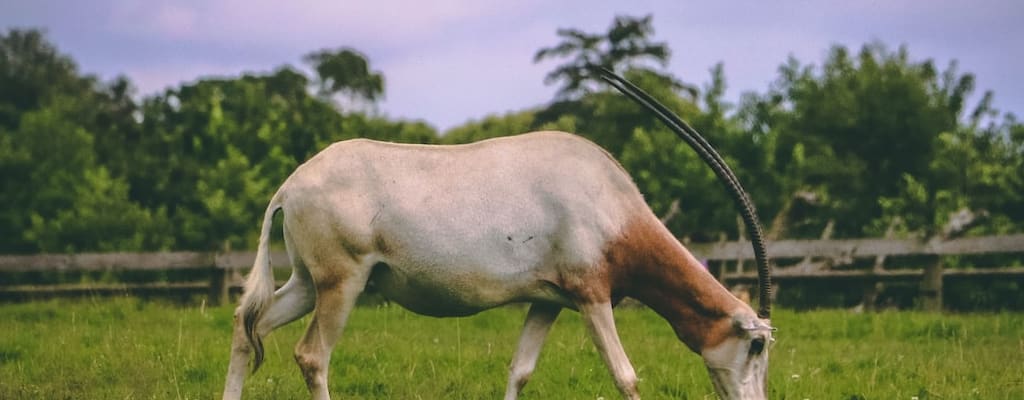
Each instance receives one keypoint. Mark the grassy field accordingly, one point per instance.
(131, 349)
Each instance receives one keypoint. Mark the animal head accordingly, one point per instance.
(738, 365)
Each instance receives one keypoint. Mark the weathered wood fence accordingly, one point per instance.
(837, 259)
(218, 273)
(215, 273)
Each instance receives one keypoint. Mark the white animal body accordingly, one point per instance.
(544, 218)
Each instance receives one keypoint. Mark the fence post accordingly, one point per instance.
(931, 284)
(931, 287)
(220, 279)
(219, 282)
(874, 288)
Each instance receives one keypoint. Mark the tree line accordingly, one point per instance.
(869, 141)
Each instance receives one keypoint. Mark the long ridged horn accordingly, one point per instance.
(711, 157)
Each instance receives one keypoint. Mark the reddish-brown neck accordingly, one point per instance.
(651, 266)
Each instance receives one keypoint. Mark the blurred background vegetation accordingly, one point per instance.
(867, 140)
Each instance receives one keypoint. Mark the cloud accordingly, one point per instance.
(483, 50)
(449, 84)
(174, 20)
(156, 78)
(274, 23)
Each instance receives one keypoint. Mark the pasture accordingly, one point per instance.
(127, 348)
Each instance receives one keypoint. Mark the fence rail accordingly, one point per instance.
(135, 261)
(847, 248)
(836, 259)
(819, 259)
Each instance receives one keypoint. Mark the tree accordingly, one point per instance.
(32, 72)
(491, 126)
(974, 170)
(233, 141)
(57, 130)
(216, 149)
(870, 137)
(346, 71)
(625, 45)
(852, 128)
(102, 218)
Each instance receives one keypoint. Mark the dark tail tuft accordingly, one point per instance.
(250, 317)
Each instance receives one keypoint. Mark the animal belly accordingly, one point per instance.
(455, 294)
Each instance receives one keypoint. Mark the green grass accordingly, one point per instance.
(131, 349)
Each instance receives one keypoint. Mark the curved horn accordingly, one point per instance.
(722, 171)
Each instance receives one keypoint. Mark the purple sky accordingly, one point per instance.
(456, 60)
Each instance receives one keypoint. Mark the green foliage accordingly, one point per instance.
(490, 127)
(874, 119)
(232, 194)
(625, 45)
(669, 170)
(85, 167)
(233, 142)
(880, 137)
(101, 205)
(65, 199)
(346, 71)
(32, 72)
(871, 139)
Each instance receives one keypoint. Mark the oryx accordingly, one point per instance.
(545, 218)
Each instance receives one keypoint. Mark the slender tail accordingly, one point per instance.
(259, 287)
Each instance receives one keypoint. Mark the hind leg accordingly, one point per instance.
(538, 323)
(335, 300)
(291, 301)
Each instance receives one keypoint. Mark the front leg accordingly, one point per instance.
(601, 326)
(538, 323)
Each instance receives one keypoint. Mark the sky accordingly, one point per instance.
(449, 61)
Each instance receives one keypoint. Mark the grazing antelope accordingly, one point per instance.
(545, 218)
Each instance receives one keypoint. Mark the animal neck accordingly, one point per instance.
(659, 272)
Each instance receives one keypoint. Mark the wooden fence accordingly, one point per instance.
(218, 273)
(838, 259)
(215, 274)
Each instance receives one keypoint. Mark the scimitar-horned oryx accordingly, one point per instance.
(545, 218)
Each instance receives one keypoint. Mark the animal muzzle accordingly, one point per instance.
(729, 388)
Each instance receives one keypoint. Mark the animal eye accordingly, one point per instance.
(756, 346)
